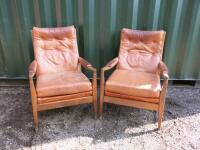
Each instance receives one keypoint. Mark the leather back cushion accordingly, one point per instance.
(55, 49)
(141, 50)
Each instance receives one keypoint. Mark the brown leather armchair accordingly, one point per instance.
(57, 66)
(136, 80)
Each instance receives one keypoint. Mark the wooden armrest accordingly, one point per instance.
(165, 75)
(164, 70)
(32, 69)
(86, 64)
(110, 64)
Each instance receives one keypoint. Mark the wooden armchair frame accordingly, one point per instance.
(68, 100)
(132, 102)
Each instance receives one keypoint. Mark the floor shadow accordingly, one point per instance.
(72, 123)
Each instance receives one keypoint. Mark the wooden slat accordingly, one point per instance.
(64, 103)
(65, 97)
(131, 103)
(144, 99)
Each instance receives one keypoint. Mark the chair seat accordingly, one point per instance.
(62, 83)
(133, 83)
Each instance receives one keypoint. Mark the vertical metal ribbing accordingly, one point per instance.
(192, 47)
(98, 25)
(58, 13)
(36, 13)
(17, 45)
(134, 14)
(175, 28)
(156, 12)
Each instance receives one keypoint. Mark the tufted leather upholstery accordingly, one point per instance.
(134, 83)
(139, 60)
(57, 58)
(141, 50)
(136, 80)
(57, 66)
(55, 49)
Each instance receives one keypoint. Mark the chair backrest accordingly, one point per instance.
(55, 49)
(141, 50)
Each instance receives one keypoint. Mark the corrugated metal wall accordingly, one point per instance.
(99, 23)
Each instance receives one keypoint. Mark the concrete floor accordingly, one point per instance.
(120, 128)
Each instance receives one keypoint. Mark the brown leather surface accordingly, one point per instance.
(134, 83)
(55, 49)
(64, 97)
(141, 50)
(144, 99)
(62, 83)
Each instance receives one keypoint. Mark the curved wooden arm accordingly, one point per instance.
(32, 72)
(164, 70)
(32, 69)
(86, 64)
(110, 64)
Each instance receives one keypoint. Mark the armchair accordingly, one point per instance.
(136, 80)
(59, 80)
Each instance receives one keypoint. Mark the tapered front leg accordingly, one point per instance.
(162, 103)
(101, 94)
(34, 103)
(35, 117)
(95, 93)
(160, 116)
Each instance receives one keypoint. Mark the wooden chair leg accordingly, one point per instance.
(160, 113)
(101, 94)
(35, 118)
(95, 106)
(101, 105)
(34, 103)
(94, 83)
(160, 117)
(162, 103)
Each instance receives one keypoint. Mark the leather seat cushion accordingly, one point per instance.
(62, 83)
(134, 83)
